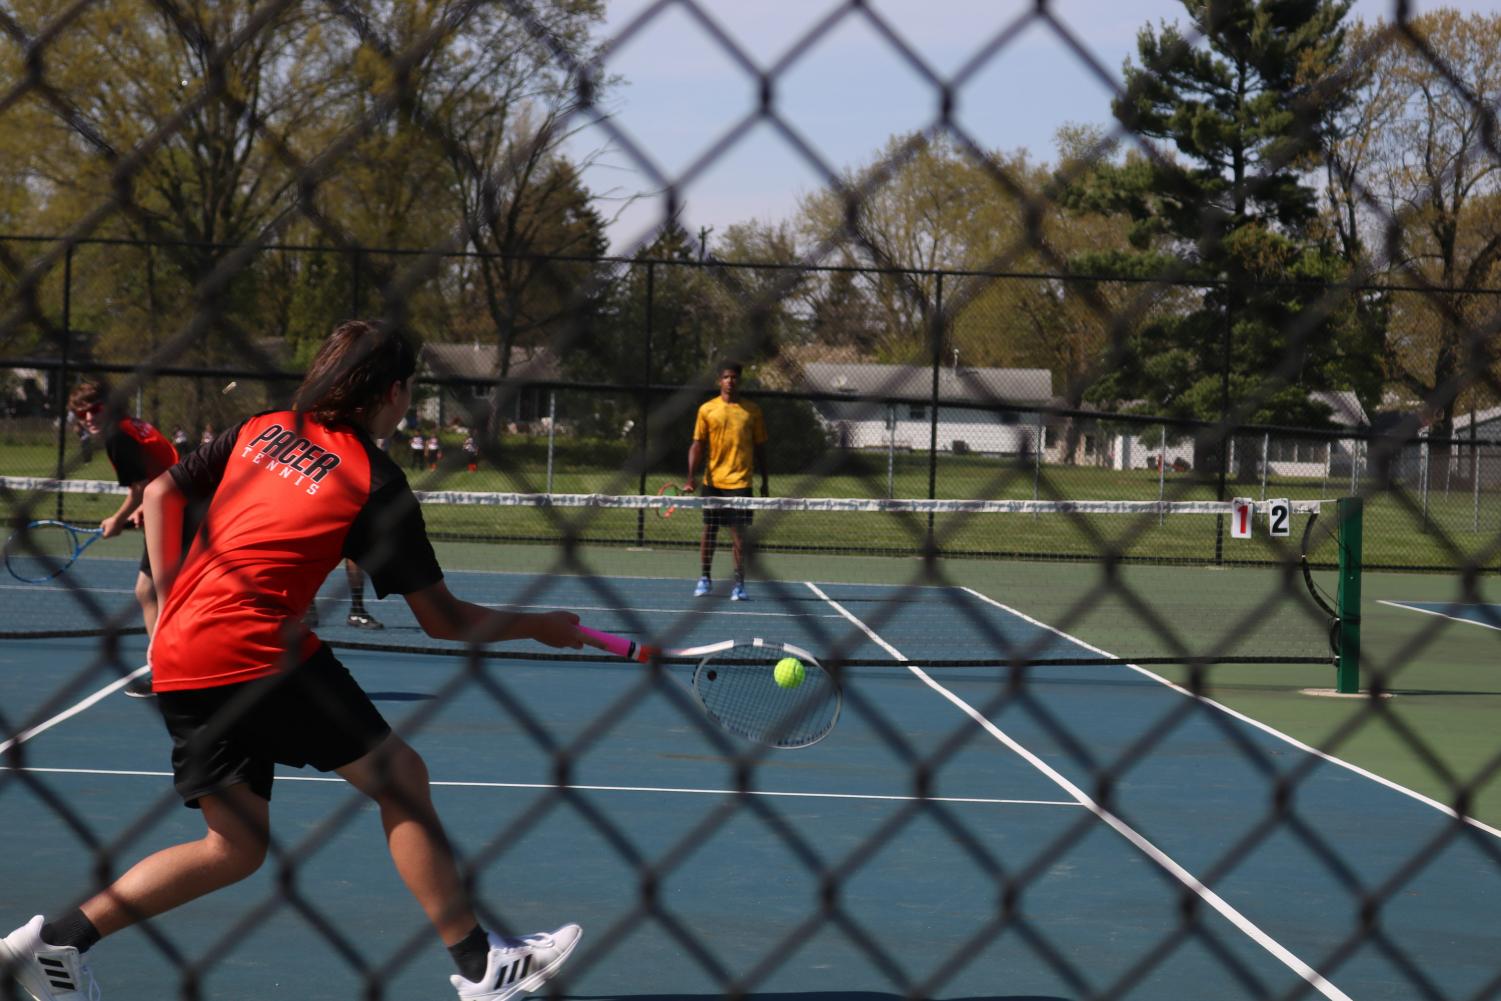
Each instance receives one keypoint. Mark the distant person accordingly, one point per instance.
(434, 448)
(180, 442)
(359, 616)
(139, 454)
(471, 452)
(729, 443)
(418, 446)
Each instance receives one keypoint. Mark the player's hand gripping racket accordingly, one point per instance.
(668, 493)
(742, 689)
(44, 549)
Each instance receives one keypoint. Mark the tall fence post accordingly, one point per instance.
(646, 361)
(936, 334)
(1266, 455)
(1474, 476)
(1037, 460)
(1162, 476)
(1423, 462)
(890, 450)
(62, 375)
(552, 429)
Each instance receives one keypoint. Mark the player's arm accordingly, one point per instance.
(129, 462)
(116, 523)
(695, 461)
(445, 616)
(164, 504)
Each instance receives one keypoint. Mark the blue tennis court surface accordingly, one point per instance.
(1088, 830)
(1476, 613)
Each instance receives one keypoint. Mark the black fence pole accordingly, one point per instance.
(651, 285)
(1219, 493)
(62, 375)
(936, 336)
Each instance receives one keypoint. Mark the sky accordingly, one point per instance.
(684, 93)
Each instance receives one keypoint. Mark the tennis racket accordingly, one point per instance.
(667, 493)
(735, 684)
(44, 549)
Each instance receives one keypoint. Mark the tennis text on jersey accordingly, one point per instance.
(290, 456)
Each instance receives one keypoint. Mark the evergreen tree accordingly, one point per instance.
(1246, 107)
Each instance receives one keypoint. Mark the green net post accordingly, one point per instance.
(1347, 674)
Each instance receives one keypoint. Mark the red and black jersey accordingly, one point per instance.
(291, 498)
(137, 451)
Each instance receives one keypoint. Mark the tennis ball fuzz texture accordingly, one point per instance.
(788, 672)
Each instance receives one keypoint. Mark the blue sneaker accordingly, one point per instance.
(737, 593)
(704, 587)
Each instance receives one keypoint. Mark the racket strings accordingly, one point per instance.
(738, 688)
(40, 551)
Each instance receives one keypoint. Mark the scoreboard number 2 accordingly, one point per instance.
(1279, 518)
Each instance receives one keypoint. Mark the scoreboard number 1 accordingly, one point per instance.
(1240, 517)
(1279, 517)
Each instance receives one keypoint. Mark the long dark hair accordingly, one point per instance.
(352, 370)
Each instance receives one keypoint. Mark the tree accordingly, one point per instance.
(1246, 109)
(1420, 178)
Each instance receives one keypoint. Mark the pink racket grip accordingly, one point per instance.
(618, 645)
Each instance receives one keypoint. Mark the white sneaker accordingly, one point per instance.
(47, 972)
(518, 965)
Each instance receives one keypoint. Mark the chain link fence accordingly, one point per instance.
(203, 251)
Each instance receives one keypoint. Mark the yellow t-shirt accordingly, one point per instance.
(731, 431)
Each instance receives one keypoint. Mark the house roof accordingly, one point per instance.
(1347, 411)
(481, 361)
(974, 385)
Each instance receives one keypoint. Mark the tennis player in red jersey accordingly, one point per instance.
(139, 453)
(242, 685)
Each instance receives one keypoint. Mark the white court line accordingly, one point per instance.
(1448, 811)
(694, 610)
(1442, 615)
(1310, 975)
(72, 711)
(543, 785)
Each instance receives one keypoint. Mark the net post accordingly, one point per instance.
(1351, 519)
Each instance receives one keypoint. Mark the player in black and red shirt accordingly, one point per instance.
(139, 454)
(243, 685)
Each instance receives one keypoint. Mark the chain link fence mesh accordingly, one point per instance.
(204, 247)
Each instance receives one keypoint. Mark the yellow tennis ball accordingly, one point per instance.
(789, 672)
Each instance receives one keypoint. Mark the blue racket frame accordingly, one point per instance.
(16, 546)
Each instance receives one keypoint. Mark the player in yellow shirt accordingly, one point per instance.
(729, 443)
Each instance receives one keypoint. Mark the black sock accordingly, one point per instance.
(470, 954)
(74, 930)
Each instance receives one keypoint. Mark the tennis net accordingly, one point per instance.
(1119, 581)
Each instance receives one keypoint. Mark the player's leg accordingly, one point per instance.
(45, 957)
(146, 598)
(395, 777)
(706, 545)
(145, 592)
(359, 616)
(490, 966)
(233, 847)
(738, 543)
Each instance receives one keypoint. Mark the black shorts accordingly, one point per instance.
(192, 516)
(714, 517)
(315, 714)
